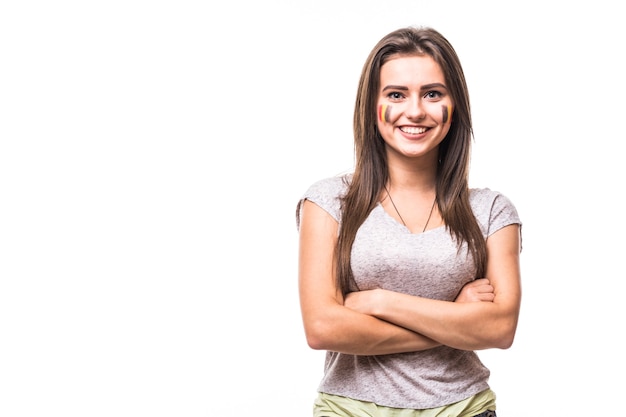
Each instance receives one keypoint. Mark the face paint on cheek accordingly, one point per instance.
(447, 113)
(383, 112)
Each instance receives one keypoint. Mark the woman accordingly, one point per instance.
(404, 271)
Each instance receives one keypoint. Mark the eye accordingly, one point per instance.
(395, 95)
(433, 95)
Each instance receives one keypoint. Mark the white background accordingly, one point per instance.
(152, 154)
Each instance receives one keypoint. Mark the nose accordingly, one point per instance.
(414, 109)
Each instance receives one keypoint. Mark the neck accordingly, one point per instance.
(421, 183)
(415, 177)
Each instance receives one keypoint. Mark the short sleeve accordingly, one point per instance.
(503, 213)
(493, 210)
(327, 194)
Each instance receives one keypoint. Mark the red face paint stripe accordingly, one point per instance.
(383, 112)
(382, 109)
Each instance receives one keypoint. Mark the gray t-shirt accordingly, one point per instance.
(387, 255)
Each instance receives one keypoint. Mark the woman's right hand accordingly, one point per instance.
(478, 290)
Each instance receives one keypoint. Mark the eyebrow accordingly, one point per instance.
(434, 85)
(424, 87)
(395, 87)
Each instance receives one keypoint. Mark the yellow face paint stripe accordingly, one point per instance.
(383, 112)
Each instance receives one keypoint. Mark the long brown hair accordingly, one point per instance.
(371, 171)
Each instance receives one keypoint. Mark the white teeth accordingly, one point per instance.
(413, 130)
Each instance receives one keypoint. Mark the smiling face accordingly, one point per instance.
(414, 107)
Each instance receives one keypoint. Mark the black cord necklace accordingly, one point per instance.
(399, 215)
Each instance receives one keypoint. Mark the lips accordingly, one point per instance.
(413, 130)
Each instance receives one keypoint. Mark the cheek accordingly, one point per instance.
(384, 113)
(446, 111)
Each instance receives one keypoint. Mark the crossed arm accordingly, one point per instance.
(377, 322)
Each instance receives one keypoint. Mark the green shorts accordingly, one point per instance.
(328, 405)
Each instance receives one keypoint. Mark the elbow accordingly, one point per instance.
(500, 335)
(505, 342)
(315, 344)
(505, 336)
(495, 341)
(316, 333)
(314, 341)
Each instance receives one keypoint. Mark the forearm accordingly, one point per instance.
(467, 326)
(463, 325)
(340, 329)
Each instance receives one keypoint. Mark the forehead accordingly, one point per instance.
(411, 69)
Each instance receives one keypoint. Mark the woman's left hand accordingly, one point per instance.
(364, 301)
